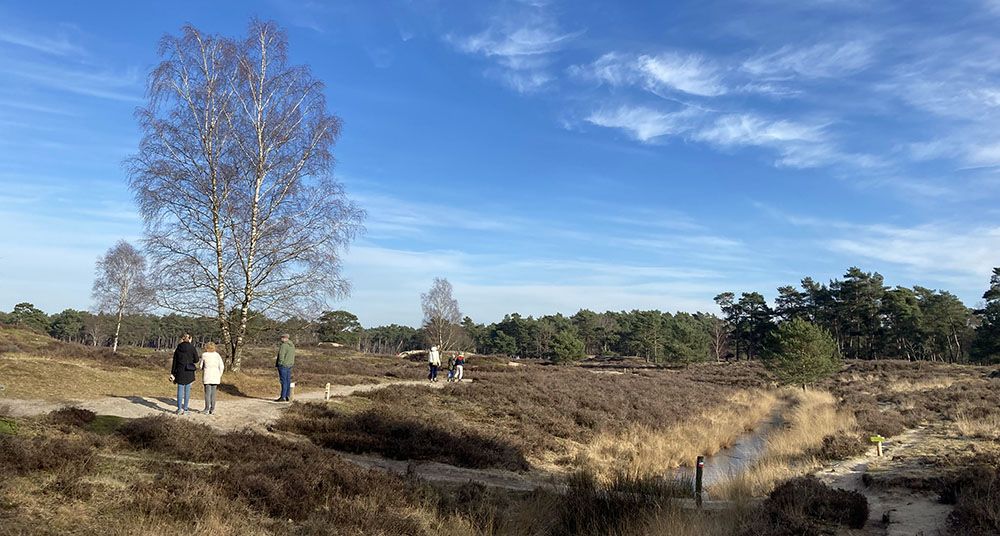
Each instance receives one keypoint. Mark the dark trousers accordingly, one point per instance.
(285, 376)
(433, 373)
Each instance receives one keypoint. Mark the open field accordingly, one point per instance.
(518, 450)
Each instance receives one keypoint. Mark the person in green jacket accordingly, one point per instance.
(285, 362)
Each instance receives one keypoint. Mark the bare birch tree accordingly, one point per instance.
(441, 315)
(234, 181)
(121, 285)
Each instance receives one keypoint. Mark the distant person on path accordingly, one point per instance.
(459, 366)
(451, 369)
(433, 361)
(212, 366)
(285, 362)
(182, 372)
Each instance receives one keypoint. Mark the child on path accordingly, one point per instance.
(451, 369)
(212, 366)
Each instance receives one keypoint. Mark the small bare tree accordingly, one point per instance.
(441, 315)
(121, 285)
(233, 181)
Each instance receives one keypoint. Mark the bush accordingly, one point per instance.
(72, 416)
(801, 353)
(19, 455)
(804, 506)
(976, 496)
(841, 447)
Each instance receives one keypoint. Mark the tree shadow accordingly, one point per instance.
(233, 390)
(152, 402)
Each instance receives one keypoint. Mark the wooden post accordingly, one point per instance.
(699, 470)
(291, 392)
(878, 448)
(877, 439)
(327, 397)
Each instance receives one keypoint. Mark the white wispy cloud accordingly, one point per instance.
(688, 73)
(799, 145)
(58, 44)
(521, 47)
(821, 60)
(642, 123)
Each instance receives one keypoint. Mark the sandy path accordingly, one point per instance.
(231, 414)
(893, 511)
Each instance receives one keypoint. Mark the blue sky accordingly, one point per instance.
(546, 156)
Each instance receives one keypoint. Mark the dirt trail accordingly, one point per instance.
(894, 511)
(231, 414)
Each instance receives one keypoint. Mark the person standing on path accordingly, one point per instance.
(433, 362)
(182, 372)
(459, 366)
(212, 368)
(285, 362)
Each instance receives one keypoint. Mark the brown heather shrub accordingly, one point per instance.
(71, 416)
(805, 507)
(841, 447)
(976, 496)
(21, 455)
(401, 437)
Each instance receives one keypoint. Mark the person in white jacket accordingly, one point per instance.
(212, 366)
(433, 361)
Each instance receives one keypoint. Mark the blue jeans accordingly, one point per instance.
(285, 376)
(433, 373)
(183, 393)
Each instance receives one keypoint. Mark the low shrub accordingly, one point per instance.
(841, 447)
(72, 416)
(21, 455)
(805, 506)
(401, 437)
(976, 496)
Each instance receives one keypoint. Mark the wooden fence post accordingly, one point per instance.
(698, 473)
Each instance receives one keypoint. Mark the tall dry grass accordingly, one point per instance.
(790, 450)
(984, 427)
(642, 451)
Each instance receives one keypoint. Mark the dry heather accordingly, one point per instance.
(548, 415)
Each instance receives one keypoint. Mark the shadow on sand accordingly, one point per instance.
(153, 402)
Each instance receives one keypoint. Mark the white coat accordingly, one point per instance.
(434, 358)
(213, 366)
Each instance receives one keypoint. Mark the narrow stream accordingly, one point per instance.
(735, 459)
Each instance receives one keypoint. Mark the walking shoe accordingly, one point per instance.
(178, 412)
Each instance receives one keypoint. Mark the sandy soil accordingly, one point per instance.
(234, 414)
(894, 511)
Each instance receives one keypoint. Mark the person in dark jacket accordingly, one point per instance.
(182, 372)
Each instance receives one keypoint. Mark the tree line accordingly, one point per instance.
(865, 318)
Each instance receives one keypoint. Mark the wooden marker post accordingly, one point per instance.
(291, 392)
(327, 396)
(698, 473)
(877, 439)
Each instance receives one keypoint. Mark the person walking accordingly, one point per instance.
(459, 366)
(212, 368)
(433, 362)
(182, 372)
(285, 362)
(451, 369)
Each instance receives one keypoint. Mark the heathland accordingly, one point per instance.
(523, 448)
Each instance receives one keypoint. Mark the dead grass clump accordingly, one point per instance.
(401, 437)
(984, 426)
(805, 506)
(887, 423)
